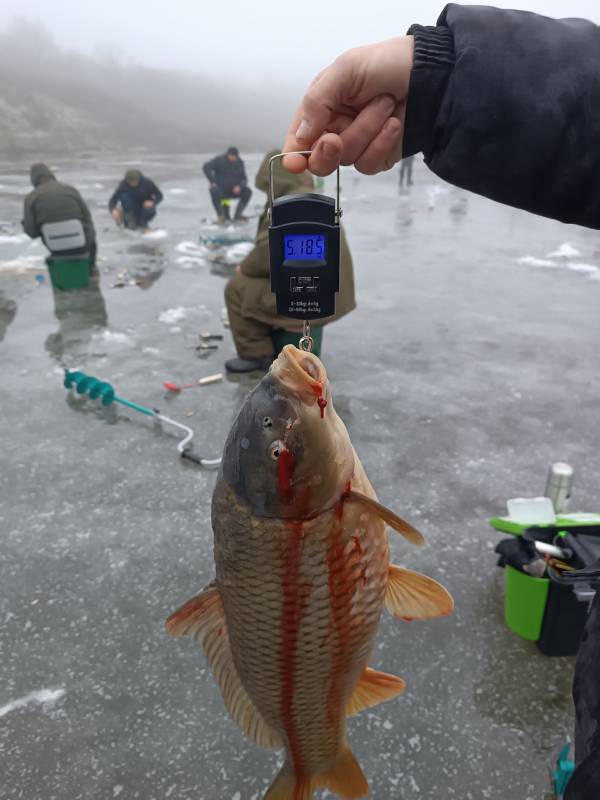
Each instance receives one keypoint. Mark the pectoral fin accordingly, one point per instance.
(203, 618)
(393, 520)
(374, 687)
(410, 595)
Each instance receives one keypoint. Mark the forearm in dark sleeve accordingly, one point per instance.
(112, 203)
(209, 170)
(29, 224)
(157, 195)
(513, 112)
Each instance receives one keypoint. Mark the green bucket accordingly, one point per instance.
(69, 273)
(282, 337)
(525, 603)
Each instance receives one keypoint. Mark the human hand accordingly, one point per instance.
(236, 190)
(148, 203)
(353, 111)
(116, 215)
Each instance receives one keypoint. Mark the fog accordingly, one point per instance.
(180, 76)
(243, 41)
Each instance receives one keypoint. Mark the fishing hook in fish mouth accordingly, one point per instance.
(306, 342)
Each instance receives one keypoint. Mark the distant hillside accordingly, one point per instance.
(57, 102)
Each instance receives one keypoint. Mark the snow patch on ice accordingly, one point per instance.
(117, 790)
(45, 697)
(173, 315)
(114, 337)
(533, 261)
(23, 264)
(159, 233)
(566, 250)
(177, 190)
(237, 252)
(188, 262)
(13, 238)
(191, 248)
(579, 267)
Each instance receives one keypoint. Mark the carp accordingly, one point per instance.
(302, 575)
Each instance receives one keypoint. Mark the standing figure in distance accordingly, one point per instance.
(138, 197)
(227, 177)
(53, 202)
(406, 170)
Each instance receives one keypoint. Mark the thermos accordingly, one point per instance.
(559, 485)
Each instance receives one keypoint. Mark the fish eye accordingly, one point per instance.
(267, 422)
(276, 449)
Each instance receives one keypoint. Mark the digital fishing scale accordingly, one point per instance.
(304, 252)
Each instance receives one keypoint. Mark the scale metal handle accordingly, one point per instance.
(338, 210)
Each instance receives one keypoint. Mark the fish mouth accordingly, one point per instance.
(304, 366)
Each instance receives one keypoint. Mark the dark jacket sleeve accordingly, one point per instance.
(112, 203)
(243, 178)
(209, 169)
(507, 104)
(30, 226)
(154, 193)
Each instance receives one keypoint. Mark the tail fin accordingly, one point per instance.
(345, 778)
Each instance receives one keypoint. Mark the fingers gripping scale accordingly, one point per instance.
(100, 390)
(304, 252)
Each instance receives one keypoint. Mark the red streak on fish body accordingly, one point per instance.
(295, 596)
(341, 589)
(285, 472)
(317, 388)
(322, 403)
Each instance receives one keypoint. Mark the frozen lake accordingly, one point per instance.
(471, 363)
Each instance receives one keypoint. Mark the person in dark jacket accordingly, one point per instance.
(52, 201)
(137, 197)
(502, 103)
(227, 178)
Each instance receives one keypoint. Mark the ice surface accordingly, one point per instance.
(462, 375)
(45, 697)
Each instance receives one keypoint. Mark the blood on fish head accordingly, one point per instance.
(288, 454)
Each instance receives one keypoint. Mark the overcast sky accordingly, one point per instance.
(249, 41)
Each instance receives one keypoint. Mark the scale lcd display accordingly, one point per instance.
(304, 247)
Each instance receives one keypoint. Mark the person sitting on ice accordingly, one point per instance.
(250, 303)
(137, 197)
(227, 178)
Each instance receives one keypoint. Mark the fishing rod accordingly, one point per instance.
(96, 389)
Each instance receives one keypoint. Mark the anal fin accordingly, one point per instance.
(393, 520)
(374, 687)
(410, 595)
(203, 618)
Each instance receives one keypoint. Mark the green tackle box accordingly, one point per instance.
(535, 608)
(68, 273)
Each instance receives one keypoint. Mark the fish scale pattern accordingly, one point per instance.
(302, 602)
